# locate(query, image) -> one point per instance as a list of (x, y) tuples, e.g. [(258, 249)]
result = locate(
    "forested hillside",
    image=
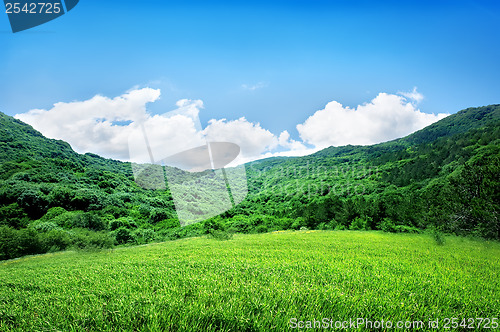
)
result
[(449, 180), (444, 177)]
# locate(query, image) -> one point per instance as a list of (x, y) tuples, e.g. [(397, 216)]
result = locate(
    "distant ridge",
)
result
[(460, 122)]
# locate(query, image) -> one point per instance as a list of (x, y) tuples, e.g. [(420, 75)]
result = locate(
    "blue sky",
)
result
[(273, 62)]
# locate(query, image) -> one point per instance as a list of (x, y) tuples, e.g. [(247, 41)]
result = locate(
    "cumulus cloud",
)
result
[(285, 141), (385, 118), (122, 128), (251, 137), (96, 125)]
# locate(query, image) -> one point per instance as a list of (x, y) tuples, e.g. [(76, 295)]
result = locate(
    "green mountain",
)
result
[(443, 177)]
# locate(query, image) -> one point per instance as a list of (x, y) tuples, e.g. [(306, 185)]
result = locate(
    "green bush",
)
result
[(285, 223), (115, 224), (158, 214), (360, 223), (89, 220), (240, 224), (14, 216), (34, 202), (261, 229), (53, 213), (340, 227), (387, 225), (123, 235), (45, 226), (167, 223), (213, 224), (55, 240), (298, 223), (87, 239), (16, 243), (406, 229), (144, 235)]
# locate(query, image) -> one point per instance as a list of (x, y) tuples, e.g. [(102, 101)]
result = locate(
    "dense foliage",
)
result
[(444, 177)]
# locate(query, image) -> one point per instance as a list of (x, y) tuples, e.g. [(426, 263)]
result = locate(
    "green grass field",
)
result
[(252, 283)]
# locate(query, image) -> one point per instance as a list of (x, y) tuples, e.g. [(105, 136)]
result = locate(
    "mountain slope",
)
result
[(416, 181), (444, 177), (19, 141), (461, 122)]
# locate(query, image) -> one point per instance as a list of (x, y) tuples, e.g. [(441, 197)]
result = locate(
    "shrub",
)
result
[(65, 219), (123, 236), (167, 223), (45, 226), (53, 213), (16, 243), (298, 223), (12, 215), (406, 229), (325, 226), (115, 224), (158, 214), (144, 210), (87, 239), (213, 224), (144, 235), (332, 224), (33, 202), (360, 223), (116, 211), (55, 240), (339, 227), (261, 229), (86, 200), (240, 224), (285, 223), (387, 225), (88, 220)]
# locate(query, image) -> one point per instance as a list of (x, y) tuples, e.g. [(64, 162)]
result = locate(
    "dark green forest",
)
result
[(443, 178)]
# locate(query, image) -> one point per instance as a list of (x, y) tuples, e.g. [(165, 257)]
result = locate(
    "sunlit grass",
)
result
[(252, 282)]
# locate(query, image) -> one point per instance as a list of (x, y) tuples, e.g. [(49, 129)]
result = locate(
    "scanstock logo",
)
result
[(26, 14), (196, 172)]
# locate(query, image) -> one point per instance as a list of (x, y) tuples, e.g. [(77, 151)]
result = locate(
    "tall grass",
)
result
[(252, 283)]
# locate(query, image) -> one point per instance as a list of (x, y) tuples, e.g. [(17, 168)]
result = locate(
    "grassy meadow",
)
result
[(252, 283)]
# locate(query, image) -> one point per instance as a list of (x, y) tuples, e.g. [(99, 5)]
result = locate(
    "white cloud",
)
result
[(385, 118), (121, 127), (253, 87), (251, 137), (90, 125), (414, 95), (285, 141)]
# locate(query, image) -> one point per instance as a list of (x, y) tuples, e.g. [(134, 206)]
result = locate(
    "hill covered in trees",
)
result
[(444, 177)]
